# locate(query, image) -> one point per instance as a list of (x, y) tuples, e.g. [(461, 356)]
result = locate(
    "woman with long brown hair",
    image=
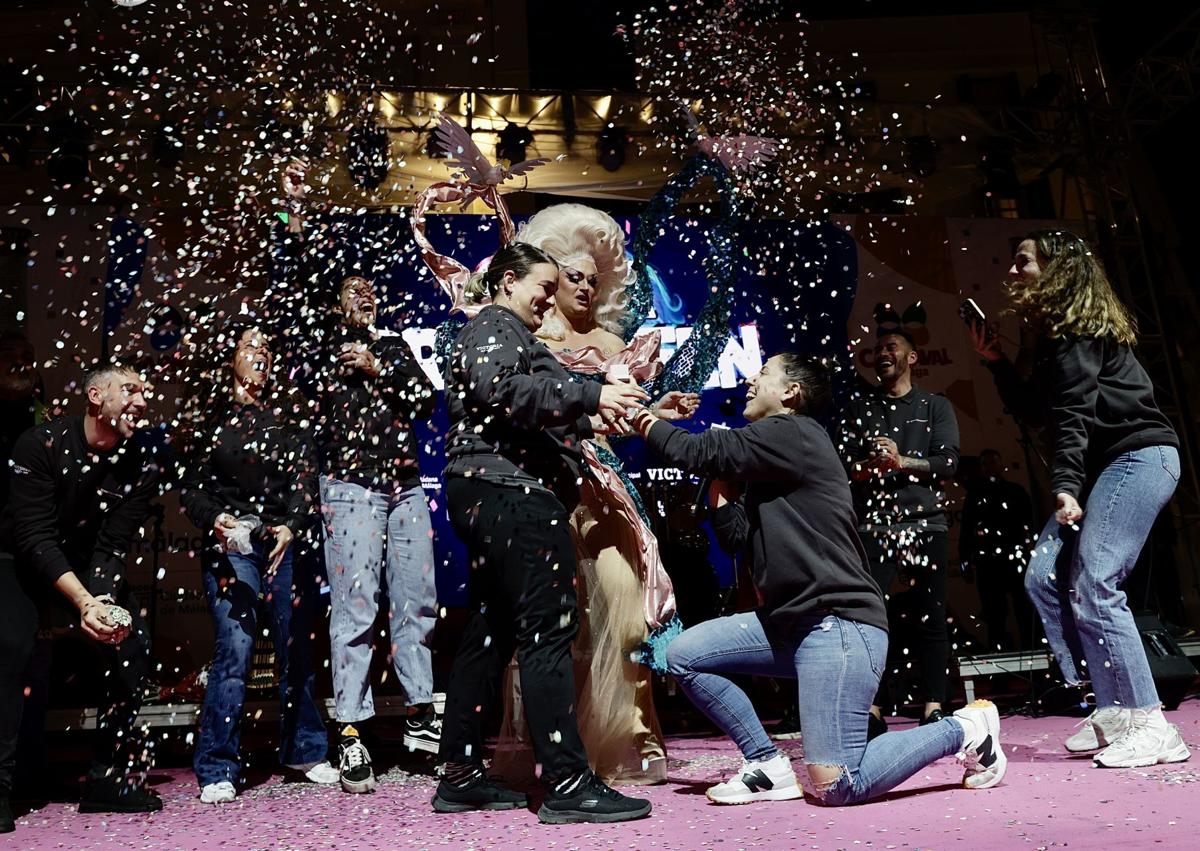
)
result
[(1115, 465)]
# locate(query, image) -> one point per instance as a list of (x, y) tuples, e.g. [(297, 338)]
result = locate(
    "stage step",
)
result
[(990, 664)]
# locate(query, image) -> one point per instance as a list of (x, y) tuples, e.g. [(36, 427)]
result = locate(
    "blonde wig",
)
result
[(571, 232)]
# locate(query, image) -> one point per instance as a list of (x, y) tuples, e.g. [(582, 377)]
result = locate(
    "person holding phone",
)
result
[(1115, 466)]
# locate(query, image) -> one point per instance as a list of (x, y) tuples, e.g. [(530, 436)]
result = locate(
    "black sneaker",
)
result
[(479, 793), (933, 717), (588, 799), (788, 727), (354, 763), (423, 732), (7, 823), (875, 726), (114, 795)]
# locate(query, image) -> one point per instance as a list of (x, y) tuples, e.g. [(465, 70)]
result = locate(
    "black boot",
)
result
[(7, 823), (115, 795)]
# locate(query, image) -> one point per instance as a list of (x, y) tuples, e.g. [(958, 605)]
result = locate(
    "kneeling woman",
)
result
[(248, 456), (821, 618)]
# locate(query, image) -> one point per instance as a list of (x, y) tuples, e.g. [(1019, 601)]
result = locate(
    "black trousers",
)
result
[(523, 598), (120, 672), (999, 582), (922, 561)]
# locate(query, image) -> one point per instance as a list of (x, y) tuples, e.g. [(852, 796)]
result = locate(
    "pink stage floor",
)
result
[(1048, 800)]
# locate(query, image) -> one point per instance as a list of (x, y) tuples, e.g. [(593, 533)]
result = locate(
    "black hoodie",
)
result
[(365, 431), (516, 417), (74, 508), (796, 518)]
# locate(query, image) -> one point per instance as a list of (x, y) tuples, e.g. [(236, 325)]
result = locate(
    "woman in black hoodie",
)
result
[(820, 618), (512, 477), (1116, 464), (248, 484)]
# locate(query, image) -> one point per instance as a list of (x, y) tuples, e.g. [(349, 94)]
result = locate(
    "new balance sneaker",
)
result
[(423, 731), (1148, 740), (318, 772), (788, 727), (114, 795), (1099, 730), (585, 798), (474, 790), (218, 793), (760, 780), (354, 763), (981, 752)]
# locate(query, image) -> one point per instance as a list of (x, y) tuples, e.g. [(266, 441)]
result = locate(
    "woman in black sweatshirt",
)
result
[(1116, 464), (512, 476), (820, 619), (248, 484)]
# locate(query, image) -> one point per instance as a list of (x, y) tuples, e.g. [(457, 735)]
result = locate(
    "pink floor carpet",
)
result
[(1048, 800)]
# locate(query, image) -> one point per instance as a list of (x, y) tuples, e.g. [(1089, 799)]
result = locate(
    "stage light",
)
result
[(169, 145), (70, 141), (920, 155), (512, 144), (611, 146), (369, 153)]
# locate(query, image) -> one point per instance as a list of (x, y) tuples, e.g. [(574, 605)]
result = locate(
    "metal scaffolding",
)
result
[(1096, 123)]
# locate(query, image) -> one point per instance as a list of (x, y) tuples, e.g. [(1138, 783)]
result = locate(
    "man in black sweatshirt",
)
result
[(371, 390), (80, 490), (899, 443)]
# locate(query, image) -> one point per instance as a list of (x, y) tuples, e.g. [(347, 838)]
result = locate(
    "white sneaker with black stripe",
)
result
[(759, 780), (983, 758)]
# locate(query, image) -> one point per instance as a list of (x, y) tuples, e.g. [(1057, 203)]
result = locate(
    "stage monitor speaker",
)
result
[(1172, 670)]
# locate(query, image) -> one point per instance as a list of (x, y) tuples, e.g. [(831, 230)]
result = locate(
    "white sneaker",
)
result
[(318, 772), (218, 793), (1099, 730), (981, 751), (764, 780), (1148, 740)]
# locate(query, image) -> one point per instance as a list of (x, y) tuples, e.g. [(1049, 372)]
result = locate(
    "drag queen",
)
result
[(625, 594)]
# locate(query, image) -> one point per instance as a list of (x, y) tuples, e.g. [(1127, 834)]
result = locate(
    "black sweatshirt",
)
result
[(516, 417), (796, 517), (365, 434), (1096, 399), (250, 461), (922, 425), (74, 508)]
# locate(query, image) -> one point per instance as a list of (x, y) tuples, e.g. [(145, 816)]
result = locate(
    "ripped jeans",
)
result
[(837, 664)]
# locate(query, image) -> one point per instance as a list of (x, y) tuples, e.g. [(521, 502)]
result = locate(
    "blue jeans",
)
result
[(1074, 578), (837, 664), (370, 533), (236, 586)]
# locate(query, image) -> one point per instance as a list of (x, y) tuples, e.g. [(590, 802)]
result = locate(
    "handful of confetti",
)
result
[(118, 616)]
